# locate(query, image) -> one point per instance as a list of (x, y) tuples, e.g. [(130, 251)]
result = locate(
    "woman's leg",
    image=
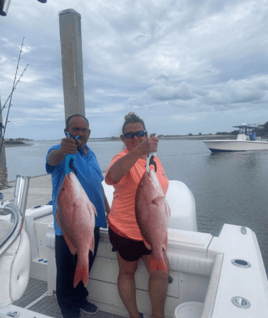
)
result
[(158, 284), (126, 285)]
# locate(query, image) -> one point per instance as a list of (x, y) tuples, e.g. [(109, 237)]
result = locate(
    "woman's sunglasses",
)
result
[(131, 135)]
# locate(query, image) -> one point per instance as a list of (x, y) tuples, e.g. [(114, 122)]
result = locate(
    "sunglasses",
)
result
[(131, 135)]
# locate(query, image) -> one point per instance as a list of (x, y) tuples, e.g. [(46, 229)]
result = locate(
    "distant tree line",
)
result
[(262, 130)]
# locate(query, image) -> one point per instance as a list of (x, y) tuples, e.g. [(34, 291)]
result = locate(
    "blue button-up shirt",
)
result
[(89, 174)]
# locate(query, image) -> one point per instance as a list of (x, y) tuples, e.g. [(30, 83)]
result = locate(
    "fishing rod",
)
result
[(13, 89)]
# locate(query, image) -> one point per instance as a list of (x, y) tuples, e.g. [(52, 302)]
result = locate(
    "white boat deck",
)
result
[(36, 300)]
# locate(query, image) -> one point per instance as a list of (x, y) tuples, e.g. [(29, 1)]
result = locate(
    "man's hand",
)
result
[(68, 146)]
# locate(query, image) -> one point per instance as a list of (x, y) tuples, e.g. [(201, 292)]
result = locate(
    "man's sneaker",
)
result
[(71, 314), (89, 308)]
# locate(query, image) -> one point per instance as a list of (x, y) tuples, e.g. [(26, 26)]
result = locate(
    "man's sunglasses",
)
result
[(131, 135)]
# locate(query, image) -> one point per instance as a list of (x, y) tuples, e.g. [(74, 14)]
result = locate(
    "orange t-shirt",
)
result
[(122, 217)]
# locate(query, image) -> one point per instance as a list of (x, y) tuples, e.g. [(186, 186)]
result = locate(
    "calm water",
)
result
[(228, 187)]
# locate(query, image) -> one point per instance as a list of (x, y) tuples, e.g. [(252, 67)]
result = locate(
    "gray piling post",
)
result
[(72, 62)]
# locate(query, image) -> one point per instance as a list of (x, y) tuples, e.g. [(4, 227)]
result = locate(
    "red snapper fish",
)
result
[(76, 217), (152, 214)]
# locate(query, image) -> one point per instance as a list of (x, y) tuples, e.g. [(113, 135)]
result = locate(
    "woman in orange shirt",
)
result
[(124, 173)]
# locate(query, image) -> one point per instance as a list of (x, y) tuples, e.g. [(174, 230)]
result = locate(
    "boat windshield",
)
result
[(248, 130)]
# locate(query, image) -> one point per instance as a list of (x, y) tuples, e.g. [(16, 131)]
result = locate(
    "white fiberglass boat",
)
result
[(246, 141), (210, 277)]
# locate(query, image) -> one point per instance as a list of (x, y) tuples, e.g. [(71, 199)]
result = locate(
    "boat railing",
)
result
[(16, 208)]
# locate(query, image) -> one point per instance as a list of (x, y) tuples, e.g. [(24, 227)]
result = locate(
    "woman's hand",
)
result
[(149, 145), (122, 166)]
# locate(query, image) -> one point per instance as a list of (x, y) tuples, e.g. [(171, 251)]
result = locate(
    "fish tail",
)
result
[(81, 273), (157, 265)]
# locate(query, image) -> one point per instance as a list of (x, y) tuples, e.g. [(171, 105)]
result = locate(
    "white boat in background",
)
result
[(246, 141), (210, 277)]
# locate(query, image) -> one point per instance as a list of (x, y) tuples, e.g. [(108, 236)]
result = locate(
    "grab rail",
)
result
[(16, 207)]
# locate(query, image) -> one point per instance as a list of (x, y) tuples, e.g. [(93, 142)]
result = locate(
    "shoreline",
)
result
[(182, 137), (168, 137)]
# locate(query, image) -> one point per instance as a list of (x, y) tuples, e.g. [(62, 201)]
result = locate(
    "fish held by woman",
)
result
[(76, 217), (152, 214)]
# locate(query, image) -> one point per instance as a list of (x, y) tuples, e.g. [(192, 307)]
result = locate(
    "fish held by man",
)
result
[(76, 217), (152, 214)]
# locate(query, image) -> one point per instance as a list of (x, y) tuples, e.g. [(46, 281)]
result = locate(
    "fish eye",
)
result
[(62, 189)]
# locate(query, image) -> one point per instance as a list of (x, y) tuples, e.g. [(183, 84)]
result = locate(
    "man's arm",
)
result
[(68, 146)]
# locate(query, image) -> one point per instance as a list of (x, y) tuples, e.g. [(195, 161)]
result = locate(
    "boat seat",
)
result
[(15, 270), (189, 264)]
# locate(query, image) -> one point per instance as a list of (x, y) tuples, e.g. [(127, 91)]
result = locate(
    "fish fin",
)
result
[(90, 205), (158, 199), (166, 244), (69, 243), (156, 265), (168, 208), (66, 238), (81, 273), (58, 219), (95, 211), (92, 245), (147, 245)]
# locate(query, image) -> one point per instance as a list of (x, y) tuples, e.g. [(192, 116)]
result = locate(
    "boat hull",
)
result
[(235, 145)]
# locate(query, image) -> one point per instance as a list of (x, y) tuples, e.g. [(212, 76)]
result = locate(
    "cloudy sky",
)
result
[(184, 66)]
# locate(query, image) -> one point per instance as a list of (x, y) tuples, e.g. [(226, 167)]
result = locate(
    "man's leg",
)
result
[(65, 292)]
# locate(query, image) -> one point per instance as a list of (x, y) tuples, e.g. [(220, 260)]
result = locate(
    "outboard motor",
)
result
[(4, 5)]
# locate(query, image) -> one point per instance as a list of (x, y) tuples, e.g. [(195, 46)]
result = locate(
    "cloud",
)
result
[(163, 92), (172, 61)]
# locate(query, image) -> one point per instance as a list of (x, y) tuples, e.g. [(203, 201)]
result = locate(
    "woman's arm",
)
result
[(107, 206), (122, 166)]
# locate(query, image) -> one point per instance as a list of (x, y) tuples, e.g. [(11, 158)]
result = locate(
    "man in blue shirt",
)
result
[(71, 300)]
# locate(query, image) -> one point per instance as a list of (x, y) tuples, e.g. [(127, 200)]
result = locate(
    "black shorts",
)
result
[(129, 250)]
